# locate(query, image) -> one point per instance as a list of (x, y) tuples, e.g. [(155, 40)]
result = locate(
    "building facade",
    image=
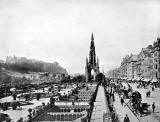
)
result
[(131, 66), (145, 65), (156, 60)]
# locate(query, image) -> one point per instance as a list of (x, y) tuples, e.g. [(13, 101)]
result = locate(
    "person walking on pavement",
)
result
[(149, 93), (126, 119), (153, 106), (113, 97), (122, 101)]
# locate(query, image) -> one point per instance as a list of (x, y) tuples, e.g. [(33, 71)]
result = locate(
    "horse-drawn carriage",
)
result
[(144, 107), (136, 103)]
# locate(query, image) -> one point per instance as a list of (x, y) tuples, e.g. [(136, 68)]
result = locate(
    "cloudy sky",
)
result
[(60, 30)]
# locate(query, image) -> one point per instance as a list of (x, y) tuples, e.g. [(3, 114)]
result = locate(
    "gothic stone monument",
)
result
[(92, 64)]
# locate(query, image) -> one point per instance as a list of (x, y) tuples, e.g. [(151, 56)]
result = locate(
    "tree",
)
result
[(99, 77), (14, 95), (79, 78), (84, 119), (65, 80)]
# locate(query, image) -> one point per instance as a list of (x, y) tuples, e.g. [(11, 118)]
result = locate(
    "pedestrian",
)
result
[(34, 112), (146, 94), (152, 88), (19, 104), (110, 95), (149, 93), (140, 110), (113, 92), (114, 118), (111, 108), (122, 101), (153, 106), (113, 97), (126, 119)]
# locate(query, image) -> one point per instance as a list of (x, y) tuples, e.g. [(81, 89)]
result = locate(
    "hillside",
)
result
[(22, 64), (4, 78)]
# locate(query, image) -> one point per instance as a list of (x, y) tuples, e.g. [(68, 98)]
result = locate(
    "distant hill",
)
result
[(4, 78), (22, 64), (1, 61)]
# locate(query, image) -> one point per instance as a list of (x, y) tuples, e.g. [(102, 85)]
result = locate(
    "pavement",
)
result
[(100, 106)]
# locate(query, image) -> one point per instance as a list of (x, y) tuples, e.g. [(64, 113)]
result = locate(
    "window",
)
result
[(155, 54), (155, 66), (156, 74), (155, 60)]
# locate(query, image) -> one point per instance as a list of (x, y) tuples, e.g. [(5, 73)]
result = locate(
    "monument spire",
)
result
[(86, 61), (92, 37), (97, 61), (92, 55)]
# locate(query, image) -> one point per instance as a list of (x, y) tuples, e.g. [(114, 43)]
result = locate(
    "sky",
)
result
[(60, 30)]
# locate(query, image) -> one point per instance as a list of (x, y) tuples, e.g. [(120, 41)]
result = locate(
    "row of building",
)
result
[(145, 65)]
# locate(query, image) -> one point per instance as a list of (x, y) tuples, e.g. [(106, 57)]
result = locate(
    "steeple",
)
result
[(92, 42), (97, 62), (92, 55), (86, 61), (92, 37)]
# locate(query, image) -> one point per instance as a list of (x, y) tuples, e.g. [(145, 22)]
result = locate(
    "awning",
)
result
[(124, 78), (133, 79), (146, 80), (137, 79), (154, 80), (12, 89)]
